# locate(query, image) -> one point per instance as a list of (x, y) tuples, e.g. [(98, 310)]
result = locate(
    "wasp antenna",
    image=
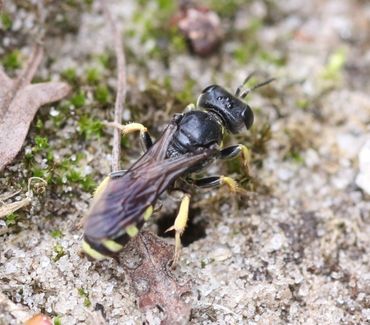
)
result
[(248, 77), (261, 84)]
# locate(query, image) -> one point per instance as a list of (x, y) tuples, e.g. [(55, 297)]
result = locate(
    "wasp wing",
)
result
[(158, 150), (126, 198)]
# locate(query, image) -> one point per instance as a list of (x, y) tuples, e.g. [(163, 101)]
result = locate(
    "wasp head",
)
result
[(233, 112)]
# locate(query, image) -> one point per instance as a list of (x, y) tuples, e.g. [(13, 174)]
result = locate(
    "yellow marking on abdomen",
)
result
[(112, 245), (148, 212), (92, 252), (101, 187), (132, 230)]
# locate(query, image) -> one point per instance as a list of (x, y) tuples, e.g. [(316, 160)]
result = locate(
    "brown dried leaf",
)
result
[(147, 262), (19, 103)]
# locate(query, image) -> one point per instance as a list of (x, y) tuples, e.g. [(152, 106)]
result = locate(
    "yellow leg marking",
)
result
[(230, 183), (112, 245), (179, 225), (128, 128), (132, 230), (245, 156), (148, 212), (92, 252), (133, 127)]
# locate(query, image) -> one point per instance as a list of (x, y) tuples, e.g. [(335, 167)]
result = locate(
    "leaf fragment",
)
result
[(19, 102)]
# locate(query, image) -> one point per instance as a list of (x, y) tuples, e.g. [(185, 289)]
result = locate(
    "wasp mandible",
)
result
[(190, 142)]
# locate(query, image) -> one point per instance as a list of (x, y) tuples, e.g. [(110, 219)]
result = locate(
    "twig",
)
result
[(33, 63), (25, 76), (8, 208), (121, 85)]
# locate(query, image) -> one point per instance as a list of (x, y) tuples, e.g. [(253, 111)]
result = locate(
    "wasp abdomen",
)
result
[(110, 247)]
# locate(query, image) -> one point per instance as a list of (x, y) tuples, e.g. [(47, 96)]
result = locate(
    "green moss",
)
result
[(102, 94), (11, 219), (248, 40), (333, 69), (303, 103), (164, 39), (39, 124), (166, 6), (56, 234), (71, 3), (186, 95), (70, 75), (88, 184), (178, 42), (89, 127), (12, 60), (6, 21), (64, 113), (105, 60), (59, 250), (259, 137), (41, 143), (226, 8), (74, 176), (42, 148), (78, 99), (85, 296), (39, 172), (244, 53), (273, 58), (296, 157), (93, 76)]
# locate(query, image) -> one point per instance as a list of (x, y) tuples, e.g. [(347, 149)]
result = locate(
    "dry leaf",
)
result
[(19, 103), (147, 262)]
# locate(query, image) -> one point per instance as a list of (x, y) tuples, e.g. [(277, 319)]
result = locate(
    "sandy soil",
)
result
[(294, 251)]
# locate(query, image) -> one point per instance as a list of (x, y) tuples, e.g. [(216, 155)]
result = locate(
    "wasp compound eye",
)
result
[(248, 117)]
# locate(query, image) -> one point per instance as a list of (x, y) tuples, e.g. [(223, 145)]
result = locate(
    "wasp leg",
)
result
[(145, 137), (233, 151), (179, 225), (216, 181)]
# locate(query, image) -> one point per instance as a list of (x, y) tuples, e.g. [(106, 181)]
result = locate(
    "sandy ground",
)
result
[(296, 251)]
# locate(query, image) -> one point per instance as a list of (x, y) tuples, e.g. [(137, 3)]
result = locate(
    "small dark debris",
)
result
[(195, 230)]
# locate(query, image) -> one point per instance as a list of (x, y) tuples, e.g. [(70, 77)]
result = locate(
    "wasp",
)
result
[(191, 141)]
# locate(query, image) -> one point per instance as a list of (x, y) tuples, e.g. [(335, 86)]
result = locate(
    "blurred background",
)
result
[(295, 249)]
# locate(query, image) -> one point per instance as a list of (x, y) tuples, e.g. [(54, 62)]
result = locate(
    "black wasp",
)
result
[(191, 141)]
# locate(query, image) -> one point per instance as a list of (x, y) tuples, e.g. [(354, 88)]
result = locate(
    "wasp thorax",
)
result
[(233, 112)]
